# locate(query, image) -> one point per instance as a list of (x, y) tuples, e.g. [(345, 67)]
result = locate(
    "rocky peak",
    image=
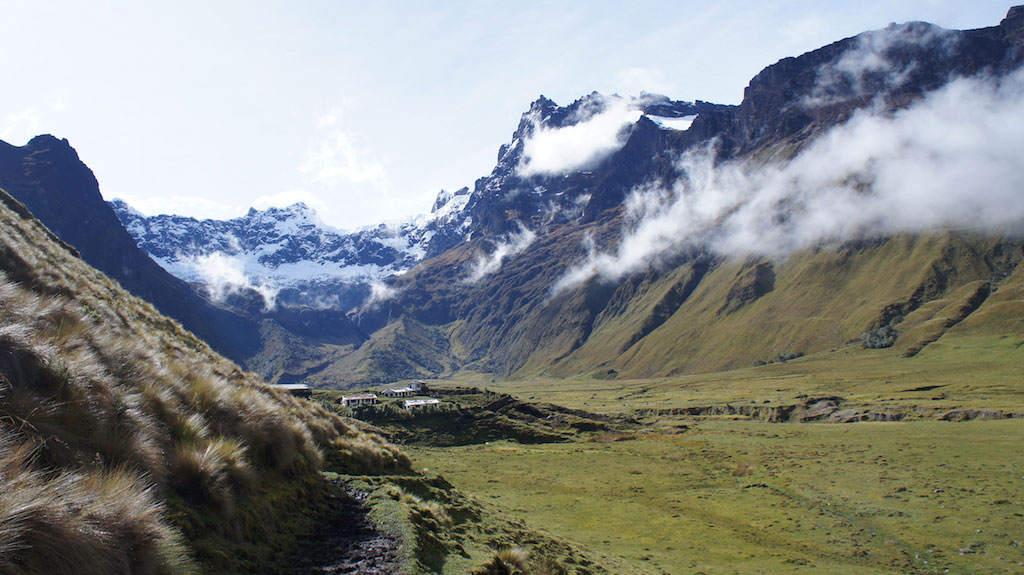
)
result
[(445, 199), (1013, 25)]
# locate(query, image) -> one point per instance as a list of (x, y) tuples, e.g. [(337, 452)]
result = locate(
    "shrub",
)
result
[(507, 561)]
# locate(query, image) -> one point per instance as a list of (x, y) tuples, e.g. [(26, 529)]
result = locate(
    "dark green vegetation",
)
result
[(470, 416)]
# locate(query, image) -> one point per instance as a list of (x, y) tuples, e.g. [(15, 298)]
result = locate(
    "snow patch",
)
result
[(681, 124)]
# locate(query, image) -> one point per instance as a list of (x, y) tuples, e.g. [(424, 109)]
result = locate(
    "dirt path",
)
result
[(353, 545)]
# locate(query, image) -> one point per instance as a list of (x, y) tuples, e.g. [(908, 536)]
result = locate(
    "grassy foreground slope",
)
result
[(128, 446)]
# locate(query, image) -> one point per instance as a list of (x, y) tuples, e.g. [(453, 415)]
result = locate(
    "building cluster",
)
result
[(360, 399), (413, 389)]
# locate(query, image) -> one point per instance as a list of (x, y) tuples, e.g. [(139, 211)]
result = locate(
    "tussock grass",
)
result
[(129, 430), (507, 561), (88, 522)]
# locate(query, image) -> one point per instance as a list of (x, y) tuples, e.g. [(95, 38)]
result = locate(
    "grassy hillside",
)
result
[(128, 446), (818, 300), (701, 314)]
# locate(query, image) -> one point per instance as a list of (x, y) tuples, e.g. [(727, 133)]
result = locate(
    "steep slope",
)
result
[(606, 266), (47, 175), (128, 446)]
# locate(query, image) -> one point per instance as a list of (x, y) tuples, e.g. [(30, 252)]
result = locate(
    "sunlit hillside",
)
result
[(128, 446)]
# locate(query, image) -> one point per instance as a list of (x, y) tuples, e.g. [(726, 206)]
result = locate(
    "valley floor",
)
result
[(726, 496), (695, 480)]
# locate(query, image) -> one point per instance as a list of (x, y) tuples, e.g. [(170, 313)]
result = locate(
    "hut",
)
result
[(297, 389), (414, 403), (359, 399)]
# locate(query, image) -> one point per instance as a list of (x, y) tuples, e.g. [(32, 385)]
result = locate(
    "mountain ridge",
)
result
[(530, 272)]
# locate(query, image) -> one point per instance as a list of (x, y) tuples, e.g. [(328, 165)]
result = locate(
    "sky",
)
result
[(366, 110)]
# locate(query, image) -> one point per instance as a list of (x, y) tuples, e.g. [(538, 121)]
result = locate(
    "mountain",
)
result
[(292, 258), (49, 178), (814, 216), (861, 197), (287, 253)]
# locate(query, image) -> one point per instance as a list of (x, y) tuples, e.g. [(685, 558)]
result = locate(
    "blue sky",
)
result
[(366, 110)]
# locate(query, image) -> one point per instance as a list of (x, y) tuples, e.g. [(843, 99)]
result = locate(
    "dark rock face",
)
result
[(506, 199), (798, 96), (47, 176), (750, 285)]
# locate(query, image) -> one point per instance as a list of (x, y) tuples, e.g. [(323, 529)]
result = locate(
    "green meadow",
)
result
[(727, 496), (667, 491)]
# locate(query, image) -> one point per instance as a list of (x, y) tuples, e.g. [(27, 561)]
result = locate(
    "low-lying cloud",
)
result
[(380, 292), (556, 151), (955, 159), (870, 61), (224, 275), (511, 245)]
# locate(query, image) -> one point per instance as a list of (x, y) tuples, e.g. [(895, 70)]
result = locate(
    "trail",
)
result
[(354, 545)]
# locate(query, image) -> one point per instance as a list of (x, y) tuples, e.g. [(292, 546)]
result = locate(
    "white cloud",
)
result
[(20, 126), (337, 157), (952, 160), (554, 151), (380, 292), (224, 275), (868, 61), (510, 246)]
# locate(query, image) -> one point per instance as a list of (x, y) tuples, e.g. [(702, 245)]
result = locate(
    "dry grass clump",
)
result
[(211, 472), (96, 522), (507, 561)]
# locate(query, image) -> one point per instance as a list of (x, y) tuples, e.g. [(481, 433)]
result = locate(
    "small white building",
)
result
[(414, 403), (360, 399), (399, 392)]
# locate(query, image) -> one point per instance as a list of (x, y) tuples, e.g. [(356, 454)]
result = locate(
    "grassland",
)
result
[(747, 497), (669, 491)]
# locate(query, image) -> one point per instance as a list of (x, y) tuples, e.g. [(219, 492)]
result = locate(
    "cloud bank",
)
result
[(955, 159), (556, 151)]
